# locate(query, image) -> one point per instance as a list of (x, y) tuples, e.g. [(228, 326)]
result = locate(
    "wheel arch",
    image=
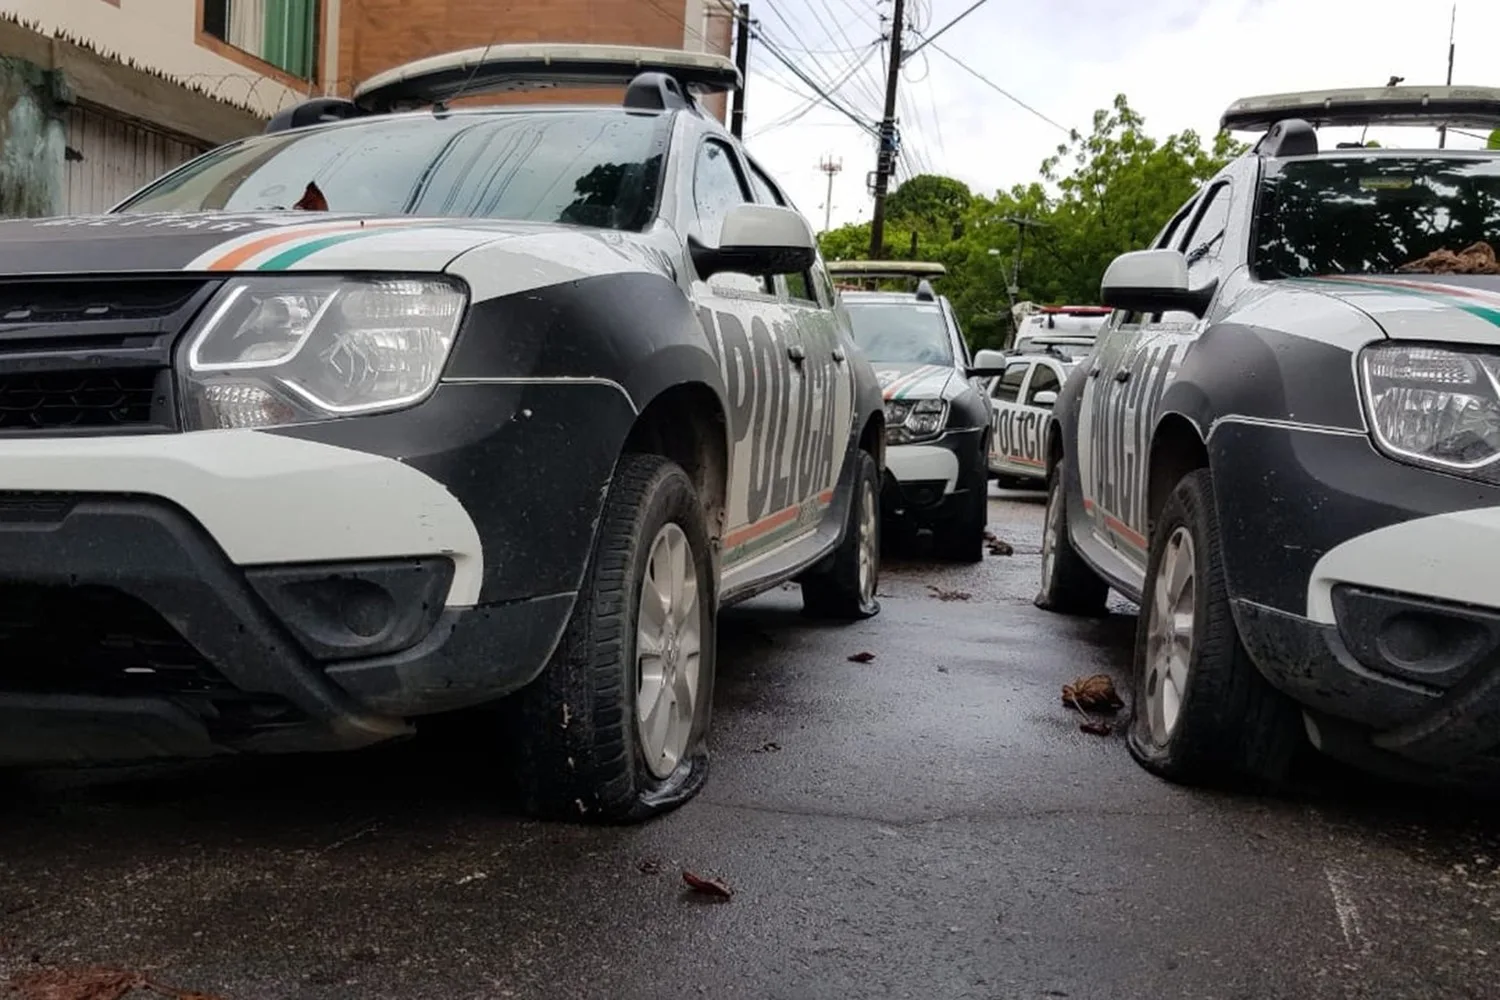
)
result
[(687, 422), (1177, 448)]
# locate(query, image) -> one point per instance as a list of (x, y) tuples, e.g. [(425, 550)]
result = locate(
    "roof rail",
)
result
[(520, 67), (1427, 107), (317, 111), (886, 269)]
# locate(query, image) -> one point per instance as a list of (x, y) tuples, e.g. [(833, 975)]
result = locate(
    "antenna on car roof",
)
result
[(440, 106)]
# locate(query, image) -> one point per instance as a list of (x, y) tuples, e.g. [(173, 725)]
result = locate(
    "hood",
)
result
[(914, 381), (220, 241), (1451, 307)]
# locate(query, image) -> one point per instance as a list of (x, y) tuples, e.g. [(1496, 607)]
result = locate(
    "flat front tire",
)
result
[(1202, 714), (1069, 585), (614, 728)]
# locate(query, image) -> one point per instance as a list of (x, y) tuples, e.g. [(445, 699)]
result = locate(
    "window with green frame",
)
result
[(283, 33)]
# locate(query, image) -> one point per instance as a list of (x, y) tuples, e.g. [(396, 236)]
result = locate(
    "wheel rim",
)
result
[(668, 651), (1169, 634), (1050, 534), (869, 556)]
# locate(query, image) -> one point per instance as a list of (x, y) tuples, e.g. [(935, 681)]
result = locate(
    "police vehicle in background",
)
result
[(401, 410), (1021, 400), (1072, 330), (1286, 447), (937, 416)]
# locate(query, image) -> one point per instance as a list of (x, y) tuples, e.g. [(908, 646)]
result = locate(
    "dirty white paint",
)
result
[(110, 158)]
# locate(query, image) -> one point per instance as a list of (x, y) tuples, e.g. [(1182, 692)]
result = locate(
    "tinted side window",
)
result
[(1205, 241), (1008, 389), (1044, 379), (717, 187)]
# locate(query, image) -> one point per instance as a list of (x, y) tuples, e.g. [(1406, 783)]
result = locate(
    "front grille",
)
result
[(53, 400), (92, 356)]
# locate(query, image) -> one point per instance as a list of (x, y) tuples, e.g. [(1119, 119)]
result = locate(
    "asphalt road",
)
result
[(931, 824)]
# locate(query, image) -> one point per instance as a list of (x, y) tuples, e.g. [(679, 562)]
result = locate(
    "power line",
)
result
[(929, 39), (817, 88), (999, 89), (810, 102)]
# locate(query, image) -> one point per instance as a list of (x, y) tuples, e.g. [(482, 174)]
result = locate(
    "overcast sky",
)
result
[(1180, 62)]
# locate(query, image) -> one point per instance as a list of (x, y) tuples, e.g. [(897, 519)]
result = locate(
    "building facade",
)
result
[(97, 97)]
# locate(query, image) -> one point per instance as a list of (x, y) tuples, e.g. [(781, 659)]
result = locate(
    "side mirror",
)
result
[(758, 240), (989, 358), (1153, 281), (1045, 399)]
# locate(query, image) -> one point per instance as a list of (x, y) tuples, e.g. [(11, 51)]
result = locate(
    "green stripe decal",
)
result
[(1487, 313), (287, 258)]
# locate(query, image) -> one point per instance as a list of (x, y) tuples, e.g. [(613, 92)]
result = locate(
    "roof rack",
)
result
[(522, 67), (1428, 107), (886, 269), (1075, 310)]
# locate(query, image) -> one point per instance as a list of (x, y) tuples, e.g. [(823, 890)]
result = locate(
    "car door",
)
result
[(826, 375), (1104, 468), (1035, 417), (1145, 367), (759, 353), (1005, 410)]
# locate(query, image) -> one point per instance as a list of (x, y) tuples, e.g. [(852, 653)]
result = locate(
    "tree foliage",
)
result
[(1099, 195)]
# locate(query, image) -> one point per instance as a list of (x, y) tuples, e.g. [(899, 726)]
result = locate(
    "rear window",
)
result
[(1373, 214), (901, 332), (586, 168)]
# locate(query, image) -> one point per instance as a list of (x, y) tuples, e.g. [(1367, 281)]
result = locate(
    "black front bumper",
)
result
[(923, 503), (1401, 682), (127, 632)]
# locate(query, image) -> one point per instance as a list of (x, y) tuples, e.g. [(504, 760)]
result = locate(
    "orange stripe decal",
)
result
[(239, 255), (766, 525)]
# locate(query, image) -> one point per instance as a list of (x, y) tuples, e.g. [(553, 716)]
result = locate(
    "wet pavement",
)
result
[(930, 824)]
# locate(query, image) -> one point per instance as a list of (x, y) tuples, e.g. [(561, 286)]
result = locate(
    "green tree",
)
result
[(1494, 142), (929, 202)]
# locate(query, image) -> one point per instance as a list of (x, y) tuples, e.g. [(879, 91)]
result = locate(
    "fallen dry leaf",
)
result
[(90, 984), (861, 657), (767, 748), (948, 595), (649, 866), (990, 536), (707, 886), (999, 548), (1477, 258), (1096, 692), (1096, 728)]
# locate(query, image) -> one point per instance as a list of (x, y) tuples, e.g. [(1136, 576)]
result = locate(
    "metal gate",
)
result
[(109, 158)]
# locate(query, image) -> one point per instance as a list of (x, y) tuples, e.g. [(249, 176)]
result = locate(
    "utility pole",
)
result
[(742, 60), (887, 156), (1452, 26), (829, 166)]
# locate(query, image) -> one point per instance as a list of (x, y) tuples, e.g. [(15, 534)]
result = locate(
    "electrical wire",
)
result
[(817, 88), (999, 89)]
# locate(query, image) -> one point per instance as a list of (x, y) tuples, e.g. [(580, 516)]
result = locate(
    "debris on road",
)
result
[(948, 595), (942, 670), (767, 748), (649, 866), (90, 984), (997, 546), (707, 886), (1096, 693), (861, 657)]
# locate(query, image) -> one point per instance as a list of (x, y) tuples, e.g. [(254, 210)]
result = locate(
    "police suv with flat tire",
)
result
[(501, 421)]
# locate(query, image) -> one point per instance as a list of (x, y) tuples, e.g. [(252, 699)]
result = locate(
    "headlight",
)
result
[(291, 349), (909, 420), (1435, 406)]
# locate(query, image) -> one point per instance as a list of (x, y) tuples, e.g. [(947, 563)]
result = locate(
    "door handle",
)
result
[(838, 355), (1123, 375), (796, 353)]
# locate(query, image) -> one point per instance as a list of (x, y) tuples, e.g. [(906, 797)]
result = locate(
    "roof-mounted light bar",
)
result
[(886, 269), (1425, 107), (521, 67)]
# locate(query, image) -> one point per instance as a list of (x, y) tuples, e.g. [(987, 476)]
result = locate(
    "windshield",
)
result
[(901, 332), (1378, 215), (585, 168)]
